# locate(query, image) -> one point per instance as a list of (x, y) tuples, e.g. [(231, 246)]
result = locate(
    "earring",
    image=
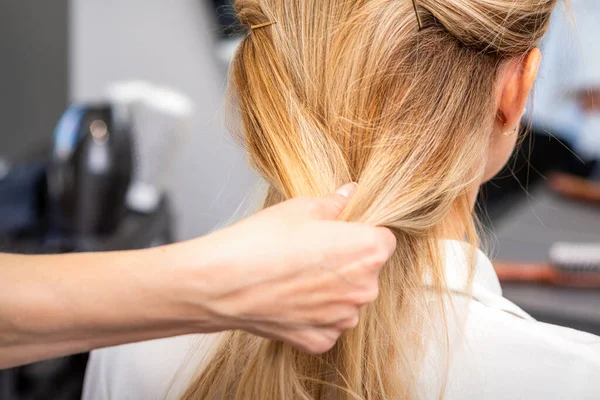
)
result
[(513, 131), (509, 133)]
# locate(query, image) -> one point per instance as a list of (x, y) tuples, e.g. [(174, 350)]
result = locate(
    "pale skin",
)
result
[(515, 82), (290, 273)]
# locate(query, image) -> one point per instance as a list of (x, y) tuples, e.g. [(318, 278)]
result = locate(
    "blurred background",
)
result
[(113, 137)]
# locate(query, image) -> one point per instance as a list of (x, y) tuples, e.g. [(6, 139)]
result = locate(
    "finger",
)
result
[(332, 206), (348, 190), (316, 341), (349, 323), (350, 242), (379, 252), (388, 241)]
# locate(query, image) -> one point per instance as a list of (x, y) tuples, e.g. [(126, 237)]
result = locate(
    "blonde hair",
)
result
[(352, 90)]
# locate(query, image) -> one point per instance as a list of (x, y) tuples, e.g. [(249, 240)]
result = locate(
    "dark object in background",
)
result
[(538, 156), (62, 378), (90, 170), (575, 265), (74, 202), (21, 198), (228, 23)]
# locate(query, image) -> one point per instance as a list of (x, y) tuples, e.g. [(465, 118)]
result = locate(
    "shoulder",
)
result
[(490, 325), (507, 357), (155, 369)]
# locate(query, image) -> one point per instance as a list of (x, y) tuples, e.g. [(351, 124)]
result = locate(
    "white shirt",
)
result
[(501, 353)]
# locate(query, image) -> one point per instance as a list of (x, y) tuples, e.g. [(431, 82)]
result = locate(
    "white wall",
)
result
[(167, 42)]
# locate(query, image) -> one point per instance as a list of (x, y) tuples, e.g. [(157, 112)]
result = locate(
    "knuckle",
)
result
[(370, 238), (350, 323), (378, 253), (372, 242), (320, 346), (368, 295), (324, 317), (320, 320), (311, 206), (349, 312), (372, 294)]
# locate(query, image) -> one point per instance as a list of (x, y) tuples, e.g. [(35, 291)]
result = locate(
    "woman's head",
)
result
[(352, 90)]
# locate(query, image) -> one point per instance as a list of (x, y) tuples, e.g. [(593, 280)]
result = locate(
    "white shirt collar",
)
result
[(485, 287)]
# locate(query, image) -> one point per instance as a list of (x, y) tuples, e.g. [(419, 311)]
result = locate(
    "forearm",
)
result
[(57, 305)]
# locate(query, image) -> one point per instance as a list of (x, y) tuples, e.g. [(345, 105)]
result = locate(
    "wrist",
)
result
[(190, 277)]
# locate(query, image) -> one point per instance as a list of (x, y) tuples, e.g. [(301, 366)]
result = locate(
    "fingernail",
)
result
[(348, 190)]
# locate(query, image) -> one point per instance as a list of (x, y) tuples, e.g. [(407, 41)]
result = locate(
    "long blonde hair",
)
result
[(352, 90)]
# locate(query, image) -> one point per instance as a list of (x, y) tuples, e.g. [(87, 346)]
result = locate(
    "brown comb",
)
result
[(545, 274)]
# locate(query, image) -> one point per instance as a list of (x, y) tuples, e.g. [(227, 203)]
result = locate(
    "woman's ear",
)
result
[(517, 80)]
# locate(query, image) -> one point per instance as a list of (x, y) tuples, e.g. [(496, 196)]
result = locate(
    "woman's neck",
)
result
[(453, 227)]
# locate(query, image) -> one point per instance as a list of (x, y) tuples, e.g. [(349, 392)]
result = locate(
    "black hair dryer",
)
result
[(90, 170)]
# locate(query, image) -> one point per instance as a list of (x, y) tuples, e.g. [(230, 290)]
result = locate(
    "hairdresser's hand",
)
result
[(289, 273), (294, 273)]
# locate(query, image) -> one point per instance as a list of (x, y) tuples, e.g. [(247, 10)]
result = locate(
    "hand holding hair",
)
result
[(291, 272)]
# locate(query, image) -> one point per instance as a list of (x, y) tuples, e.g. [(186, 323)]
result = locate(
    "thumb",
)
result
[(333, 205)]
